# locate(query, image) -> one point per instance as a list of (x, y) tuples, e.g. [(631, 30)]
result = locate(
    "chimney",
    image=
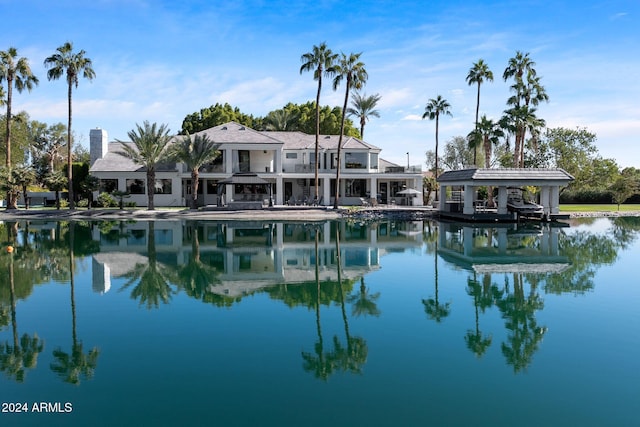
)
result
[(98, 144)]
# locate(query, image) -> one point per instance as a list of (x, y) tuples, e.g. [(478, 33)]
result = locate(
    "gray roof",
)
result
[(301, 141), (112, 161), (235, 133), (521, 176)]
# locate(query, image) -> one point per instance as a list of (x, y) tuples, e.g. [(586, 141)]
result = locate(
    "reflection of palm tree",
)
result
[(364, 303), (525, 334), (321, 364), (355, 355), (474, 339), (195, 277), (151, 282), (72, 367), (432, 306), (24, 352)]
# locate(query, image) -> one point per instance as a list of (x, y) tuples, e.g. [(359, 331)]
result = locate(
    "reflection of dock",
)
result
[(502, 249)]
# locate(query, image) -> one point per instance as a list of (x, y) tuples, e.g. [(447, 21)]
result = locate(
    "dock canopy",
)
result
[(244, 178), (549, 182)]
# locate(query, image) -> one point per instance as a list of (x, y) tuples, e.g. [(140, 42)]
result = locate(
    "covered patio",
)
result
[(459, 196), (245, 191)]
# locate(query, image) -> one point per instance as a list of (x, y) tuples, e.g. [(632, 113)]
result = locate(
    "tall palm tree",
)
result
[(149, 147), (321, 61), (17, 72), (528, 93), (352, 71), (478, 73), (434, 109), (363, 107), (73, 64), (194, 152)]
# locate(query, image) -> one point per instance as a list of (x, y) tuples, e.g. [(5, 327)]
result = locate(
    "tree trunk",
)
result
[(151, 181), (344, 112), (72, 204), (317, 149), (194, 188)]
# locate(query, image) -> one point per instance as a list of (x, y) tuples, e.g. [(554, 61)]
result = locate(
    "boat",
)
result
[(516, 203)]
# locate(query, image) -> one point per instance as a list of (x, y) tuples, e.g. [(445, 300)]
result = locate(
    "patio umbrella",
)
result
[(409, 192)]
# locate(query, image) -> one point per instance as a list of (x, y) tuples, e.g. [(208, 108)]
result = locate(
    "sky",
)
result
[(160, 61)]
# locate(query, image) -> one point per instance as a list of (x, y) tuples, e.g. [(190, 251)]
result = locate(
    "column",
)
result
[(468, 200), (280, 191), (554, 200), (502, 200), (326, 191), (544, 200), (442, 196)]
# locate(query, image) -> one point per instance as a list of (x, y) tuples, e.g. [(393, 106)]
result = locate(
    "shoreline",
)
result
[(283, 213)]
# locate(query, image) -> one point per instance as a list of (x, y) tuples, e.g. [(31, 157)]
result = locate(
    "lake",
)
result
[(321, 323)]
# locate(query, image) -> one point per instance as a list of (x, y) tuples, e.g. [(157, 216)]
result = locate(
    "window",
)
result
[(108, 185), (356, 160), (135, 186), (292, 155), (163, 186), (356, 188), (212, 186)]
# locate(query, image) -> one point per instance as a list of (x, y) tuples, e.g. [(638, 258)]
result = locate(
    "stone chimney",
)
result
[(98, 144)]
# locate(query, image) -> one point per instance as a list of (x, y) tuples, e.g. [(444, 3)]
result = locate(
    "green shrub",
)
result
[(130, 204), (83, 203), (106, 200)]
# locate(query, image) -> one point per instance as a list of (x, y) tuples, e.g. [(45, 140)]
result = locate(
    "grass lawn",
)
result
[(598, 208)]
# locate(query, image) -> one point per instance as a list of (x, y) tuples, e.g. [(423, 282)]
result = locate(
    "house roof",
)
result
[(235, 133), (301, 141), (523, 176), (112, 161)]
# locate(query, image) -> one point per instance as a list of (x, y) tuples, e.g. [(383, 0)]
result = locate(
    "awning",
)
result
[(244, 178)]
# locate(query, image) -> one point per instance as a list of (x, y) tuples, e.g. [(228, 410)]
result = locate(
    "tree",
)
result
[(56, 181), (321, 60), (622, 189), (478, 73), (281, 120), (436, 107), (352, 71), (528, 93), (24, 176), (149, 146), (73, 64), (17, 73), (216, 115), (490, 134), (363, 107), (47, 145), (194, 152)]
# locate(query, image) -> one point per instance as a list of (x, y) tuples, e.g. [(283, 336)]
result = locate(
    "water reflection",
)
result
[(317, 266)]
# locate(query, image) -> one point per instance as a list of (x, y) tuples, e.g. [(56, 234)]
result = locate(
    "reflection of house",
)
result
[(253, 255), (285, 159), (506, 248)]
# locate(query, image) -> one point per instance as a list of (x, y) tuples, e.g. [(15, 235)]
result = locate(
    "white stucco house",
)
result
[(286, 160)]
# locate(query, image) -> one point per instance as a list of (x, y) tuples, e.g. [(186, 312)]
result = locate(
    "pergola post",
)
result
[(468, 199), (502, 200)]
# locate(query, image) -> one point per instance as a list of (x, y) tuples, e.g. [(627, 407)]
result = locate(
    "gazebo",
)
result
[(465, 204)]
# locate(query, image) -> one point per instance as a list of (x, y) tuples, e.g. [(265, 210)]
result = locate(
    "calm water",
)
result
[(259, 324)]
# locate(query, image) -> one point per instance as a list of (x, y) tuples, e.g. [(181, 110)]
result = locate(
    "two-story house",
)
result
[(286, 160)]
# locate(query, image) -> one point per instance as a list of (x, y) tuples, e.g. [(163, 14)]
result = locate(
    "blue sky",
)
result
[(161, 60)]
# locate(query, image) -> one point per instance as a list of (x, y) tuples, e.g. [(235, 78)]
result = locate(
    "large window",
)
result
[(356, 188), (108, 185), (135, 186), (291, 155), (356, 160), (163, 186)]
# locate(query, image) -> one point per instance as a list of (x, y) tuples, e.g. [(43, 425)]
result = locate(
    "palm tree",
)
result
[(150, 147), (73, 64), (477, 75), (194, 153), (363, 107), (350, 69), (281, 120), (17, 72), (321, 61), (364, 303), (56, 181), (433, 110), (528, 93), (24, 176)]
